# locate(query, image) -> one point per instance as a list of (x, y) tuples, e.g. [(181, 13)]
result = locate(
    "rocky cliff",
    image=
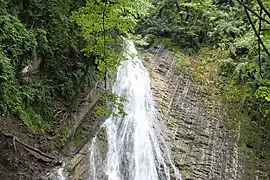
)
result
[(202, 148)]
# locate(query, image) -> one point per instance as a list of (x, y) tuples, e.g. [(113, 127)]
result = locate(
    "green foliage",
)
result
[(8, 91), (115, 105), (263, 92), (149, 39), (16, 41), (182, 59), (225, 24), (40, 30), (243, 46), (247, 90), (34, 120), (193, 23), (102, 22), (31, 102), (43, 31)]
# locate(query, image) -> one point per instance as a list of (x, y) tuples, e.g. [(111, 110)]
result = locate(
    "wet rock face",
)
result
[(201, 145), (87, 125), (78, 167)]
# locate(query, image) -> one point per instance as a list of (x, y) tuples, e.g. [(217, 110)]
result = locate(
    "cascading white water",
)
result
[(137, 148), (57, 173)]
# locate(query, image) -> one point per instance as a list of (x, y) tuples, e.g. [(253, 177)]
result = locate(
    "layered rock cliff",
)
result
[(202, 148)]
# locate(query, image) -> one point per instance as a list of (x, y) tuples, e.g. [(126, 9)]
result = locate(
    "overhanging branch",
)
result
[(253, 12), (263, 8), (254, 29), (259, 45)]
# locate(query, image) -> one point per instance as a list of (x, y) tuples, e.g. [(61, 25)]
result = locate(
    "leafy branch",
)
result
[(257, 32), (102, 23)]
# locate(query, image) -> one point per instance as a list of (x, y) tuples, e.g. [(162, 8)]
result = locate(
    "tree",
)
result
[(102, 23)]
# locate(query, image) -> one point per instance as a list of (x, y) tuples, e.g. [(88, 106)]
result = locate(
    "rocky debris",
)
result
[(201, 146)]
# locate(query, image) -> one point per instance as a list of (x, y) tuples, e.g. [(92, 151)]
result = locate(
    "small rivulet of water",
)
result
[(137, 148)]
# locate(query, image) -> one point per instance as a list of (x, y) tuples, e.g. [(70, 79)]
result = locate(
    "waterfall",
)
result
[(57, 173), (137, 143)]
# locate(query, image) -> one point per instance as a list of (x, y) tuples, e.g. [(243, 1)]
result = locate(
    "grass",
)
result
[(33, 120)]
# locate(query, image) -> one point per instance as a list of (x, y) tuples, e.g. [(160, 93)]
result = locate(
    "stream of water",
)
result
[(137, 148)]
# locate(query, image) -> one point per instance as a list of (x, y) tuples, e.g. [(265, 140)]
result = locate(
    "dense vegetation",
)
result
[(41, 63), (51, 51), (231, 42)]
